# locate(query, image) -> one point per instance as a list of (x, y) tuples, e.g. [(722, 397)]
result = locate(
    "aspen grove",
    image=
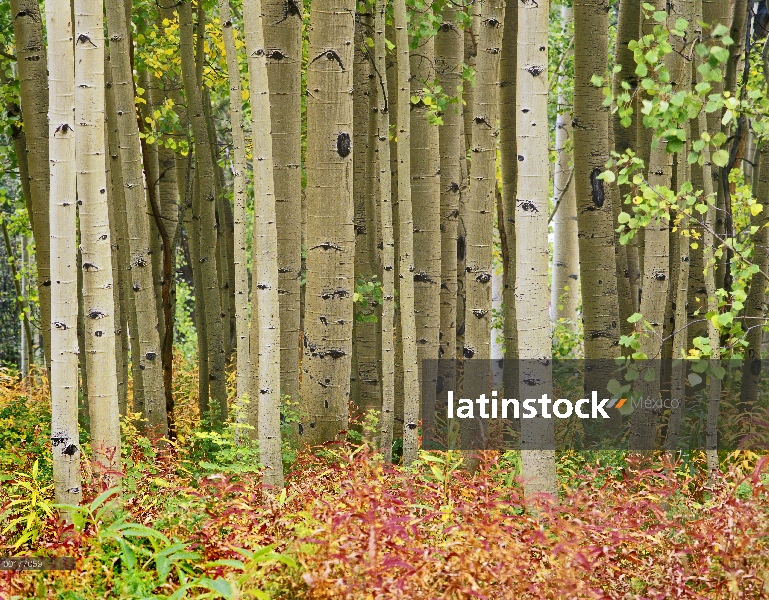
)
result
[(249, 247)]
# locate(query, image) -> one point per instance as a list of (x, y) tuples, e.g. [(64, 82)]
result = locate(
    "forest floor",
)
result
[(195, 522)]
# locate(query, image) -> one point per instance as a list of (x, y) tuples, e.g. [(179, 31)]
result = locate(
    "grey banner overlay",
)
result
[(589, 405), (37, 563)]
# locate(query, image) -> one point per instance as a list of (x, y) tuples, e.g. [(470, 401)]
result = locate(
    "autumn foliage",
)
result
[(350, 526)]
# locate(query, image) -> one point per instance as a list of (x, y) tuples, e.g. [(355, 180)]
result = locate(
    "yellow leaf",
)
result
[(244, 94), (755, 209)]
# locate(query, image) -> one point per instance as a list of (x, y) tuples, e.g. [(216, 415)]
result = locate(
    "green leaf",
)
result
[(634, 318), (720, 157)]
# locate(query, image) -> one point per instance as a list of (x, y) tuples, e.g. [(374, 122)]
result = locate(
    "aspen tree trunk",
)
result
[(207, 231), (406, 267), (628, 28), (265, 321), (715, 12), (714, 388), (243, 359), (120, 260), (325, 385), (679, 334), (755, 304), (152, 180), (621, 255), (449, 54), (531, 285), (192, 227), (479, 221), (27, 343), (598, 278), (95, 243), (31, 63), (564, 295), (121, 325), (656, 275), (425, 195), (392, 98), (140, 273), (365, 391), (468, 95), (508, 142), (384, 194), (65, 440), (283, 36)]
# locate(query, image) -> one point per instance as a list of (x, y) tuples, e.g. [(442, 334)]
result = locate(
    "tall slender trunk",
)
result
[(425, 195), (207, 228), (564, 294), (656, 275), (406, 239), (119, 236), (365, 392), (65, 440), (31, 62), (95, 242), (479, 221), (243, 359), (598, 276), (140, 273), (265, 321), (283, 36), (449, 54), (112, 171), (386, 230), (756, 302), (325, 385), (508, 142), (531, 285)]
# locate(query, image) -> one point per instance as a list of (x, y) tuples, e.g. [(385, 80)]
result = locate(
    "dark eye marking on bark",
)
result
[(275, 55), (597, 187), (479, 313), (343, 145), (660, 276), (461, 330), (330, 54), (335, 294), (60, 325), (461, 247), (453, 187), (83, 38), (150, 356), (70, 450), (531, 382), (535, 70), (95, 313), (527, 205), (64, 128), (412, 425), (58, 438), (483, 277), (479, 119), (327, 246), (291, 8), (88, 267), (520, 158), (423, 277), (491, 22), (468, 352)]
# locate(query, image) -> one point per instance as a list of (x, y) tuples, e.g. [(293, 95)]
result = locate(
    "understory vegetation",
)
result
[(196, 522)]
